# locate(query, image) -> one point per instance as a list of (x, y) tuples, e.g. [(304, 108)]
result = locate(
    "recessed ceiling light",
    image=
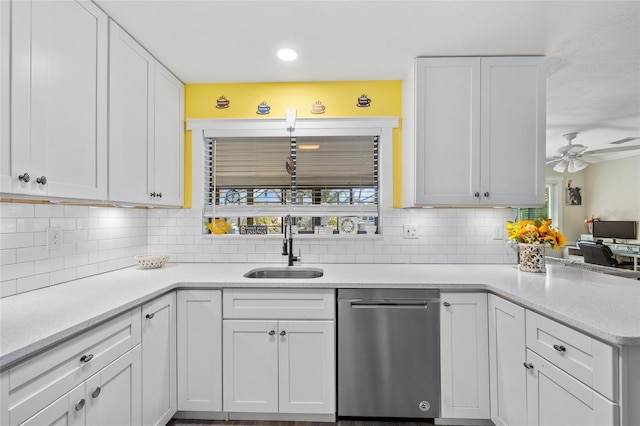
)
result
[(287, 54)]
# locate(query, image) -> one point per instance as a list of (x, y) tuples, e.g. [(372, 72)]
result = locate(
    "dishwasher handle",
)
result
[(390, 303)]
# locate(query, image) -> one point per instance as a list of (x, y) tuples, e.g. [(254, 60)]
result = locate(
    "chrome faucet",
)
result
[(287, 243)]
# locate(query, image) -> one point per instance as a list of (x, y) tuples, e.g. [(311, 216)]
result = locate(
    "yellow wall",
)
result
[(339, 98)]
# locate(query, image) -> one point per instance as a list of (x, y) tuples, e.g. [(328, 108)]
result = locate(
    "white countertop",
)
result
[(603, 306)]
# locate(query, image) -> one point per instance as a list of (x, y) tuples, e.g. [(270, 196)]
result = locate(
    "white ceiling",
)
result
[(592, 47)]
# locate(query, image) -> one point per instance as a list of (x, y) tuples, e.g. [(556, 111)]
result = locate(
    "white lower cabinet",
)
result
[(110, 397), (282, 365), (113, 395), (159, 387), (199, 350), (507, 353), (556, 398), (464, 356), (545, 373)]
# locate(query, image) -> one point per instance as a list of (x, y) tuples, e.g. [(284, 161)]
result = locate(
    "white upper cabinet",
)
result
[(146, 113), (58, 135), (5, 90), (475, 132)]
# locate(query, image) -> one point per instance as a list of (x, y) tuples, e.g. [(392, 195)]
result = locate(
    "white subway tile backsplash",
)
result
[(7, 257), (48, 210), (27, 254), (16, 210), (8, 288), (8, 225), (32, 282), (32, 224), (16, 240)]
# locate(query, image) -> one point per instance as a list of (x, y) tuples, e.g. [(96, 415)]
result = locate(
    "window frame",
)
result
[(277, 127)]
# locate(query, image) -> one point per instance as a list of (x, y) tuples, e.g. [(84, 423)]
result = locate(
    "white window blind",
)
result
[(337, 176)]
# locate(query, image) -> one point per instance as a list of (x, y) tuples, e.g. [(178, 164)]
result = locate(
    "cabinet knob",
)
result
[(476, 194), (446, 304), (528, 365), (283, 333), (272, 332), (42, 180), (159, 194), (80, 404), (486, 194), (96, 392), (24, 178), (86, 358), (559, 348), (149, 316), (153, 194)]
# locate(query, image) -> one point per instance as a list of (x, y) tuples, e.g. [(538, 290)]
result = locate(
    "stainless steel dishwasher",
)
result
[(388, 353)]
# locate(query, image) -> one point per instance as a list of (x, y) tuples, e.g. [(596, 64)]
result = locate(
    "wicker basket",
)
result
[(152, 261)]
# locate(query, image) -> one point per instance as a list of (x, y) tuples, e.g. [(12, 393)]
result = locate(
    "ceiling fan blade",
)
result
[(564, 148), (591, 159), (561, 166), (576, 149), (552, 160), (615, 149), (625, 140)]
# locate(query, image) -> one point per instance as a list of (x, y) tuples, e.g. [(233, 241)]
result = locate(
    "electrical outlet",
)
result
[(498, 233), (410, 231), (54, 238)]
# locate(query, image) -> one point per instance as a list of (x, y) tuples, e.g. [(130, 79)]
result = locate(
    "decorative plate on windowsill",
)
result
[(348, 225)]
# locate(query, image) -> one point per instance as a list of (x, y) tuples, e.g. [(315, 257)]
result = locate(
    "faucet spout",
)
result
[(287, 244)]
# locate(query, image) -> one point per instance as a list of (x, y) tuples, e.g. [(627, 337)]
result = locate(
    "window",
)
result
[(550, 209), (253, 182)]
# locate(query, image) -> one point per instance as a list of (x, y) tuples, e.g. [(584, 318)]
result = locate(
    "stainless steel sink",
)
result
[(285, 272)]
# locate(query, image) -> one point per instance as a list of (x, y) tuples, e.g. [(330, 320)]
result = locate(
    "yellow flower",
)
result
[(538, 231)]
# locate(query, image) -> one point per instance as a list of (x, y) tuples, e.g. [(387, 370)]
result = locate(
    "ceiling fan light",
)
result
[(561, 166), (576, 164)]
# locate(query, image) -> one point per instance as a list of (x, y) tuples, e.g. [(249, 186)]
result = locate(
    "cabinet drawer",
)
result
[(42, 379), (278, 304), (591, 361)]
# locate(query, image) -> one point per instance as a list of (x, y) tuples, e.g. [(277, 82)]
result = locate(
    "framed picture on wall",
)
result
[(574, 196)]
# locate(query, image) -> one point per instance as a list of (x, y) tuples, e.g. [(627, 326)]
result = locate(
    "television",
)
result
[(622, 229)]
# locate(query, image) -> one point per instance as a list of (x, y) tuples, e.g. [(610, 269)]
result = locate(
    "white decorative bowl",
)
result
[(152, 261)]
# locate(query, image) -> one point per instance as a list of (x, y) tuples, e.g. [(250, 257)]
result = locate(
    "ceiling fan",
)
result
[(575, 157)]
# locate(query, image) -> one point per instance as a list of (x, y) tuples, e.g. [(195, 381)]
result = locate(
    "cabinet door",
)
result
[(513, 131), (59, 98), (66, 411), (199, 350), (307, 366), (159, 386), (447, 131), (250, 358), (113, 395), (5, 89), (131, 73), (464, 356), (167, 168), (556, 398), (507, 353)]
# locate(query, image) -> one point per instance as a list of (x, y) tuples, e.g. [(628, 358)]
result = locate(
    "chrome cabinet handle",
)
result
[(80, 404), (150, 316), (96, 392), (476, 194), (283, 333), (272, 332), (42, 180), (486, 194), (528, 365), (86, 358), (559, 348), (24, 178), (446, 304)]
